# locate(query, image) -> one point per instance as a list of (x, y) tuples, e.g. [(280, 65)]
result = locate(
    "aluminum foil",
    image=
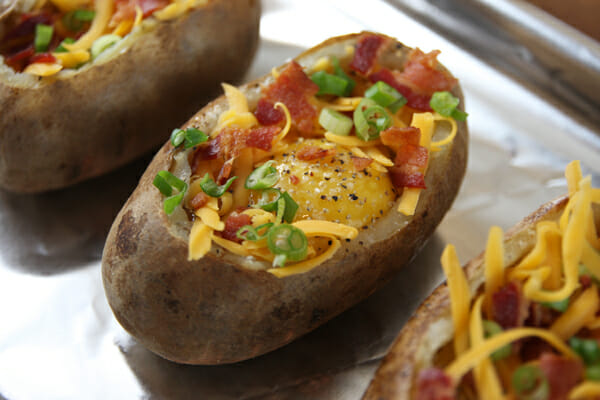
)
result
[(59, 339)]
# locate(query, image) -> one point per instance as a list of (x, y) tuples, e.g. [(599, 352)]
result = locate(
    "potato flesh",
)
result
[(331, 189)]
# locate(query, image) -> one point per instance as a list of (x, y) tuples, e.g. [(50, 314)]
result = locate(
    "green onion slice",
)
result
[(190, 137), (335, 122), (291, 207), (61, 48), (491, 328), (43, 36), (592, 372), (386, 96), (74, 20), (561, 305), (248, 232), (268, 199), (263, 177), (370, 119), (339, 72), (587, 349), (165, 182), (103, 43), (329, 84), (84, 15), (287, 242), (211, 188), (530, 383), (444, 103)]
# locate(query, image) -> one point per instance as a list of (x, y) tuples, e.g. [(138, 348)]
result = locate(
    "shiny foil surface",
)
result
[(59, 339)]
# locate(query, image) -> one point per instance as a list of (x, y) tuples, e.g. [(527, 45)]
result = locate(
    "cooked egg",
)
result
[(331, 189)]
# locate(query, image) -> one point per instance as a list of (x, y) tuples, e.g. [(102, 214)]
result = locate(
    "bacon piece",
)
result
[(233, 223), (19, 60), (367, 49), (412, 155), (409, 166), (262, 137), (42, 58), (267, 114), (294, 180), (225, 173), (414, 100), (422, 73), (395, 137), (585, 281), (360, 163), (125, 9), (539, 315), (509, 306), (199, 200), (434, 384), (294, 88), (562, 373), (407, 176), (205, 152), (311, 153)]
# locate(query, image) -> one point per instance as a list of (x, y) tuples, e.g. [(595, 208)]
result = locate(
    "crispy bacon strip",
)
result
[(423, 74), (409, 166), (562, 373), (294, 88), (360, 163), (434, 384), (233, 223), (199, 200), (311, 153), (366, 52), (395, 137), (262, 137), (414, 100), (510, 307), (267, 114)]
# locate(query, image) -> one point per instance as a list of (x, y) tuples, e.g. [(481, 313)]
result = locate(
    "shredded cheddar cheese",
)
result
[(494, 265), (460, 295), (104, 9), (585, 390), (43, 69)]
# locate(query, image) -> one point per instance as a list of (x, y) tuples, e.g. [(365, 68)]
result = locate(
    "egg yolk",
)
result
[(331, 189)]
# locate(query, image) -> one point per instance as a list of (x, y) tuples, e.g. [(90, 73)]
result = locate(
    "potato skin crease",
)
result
[(412, 350), (75, 128), (215, 311)]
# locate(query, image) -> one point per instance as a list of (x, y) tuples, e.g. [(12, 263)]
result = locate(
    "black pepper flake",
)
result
[(344, 179), (347, 240), (329, 242), (380, 212), (323, 197), (327, 178), (285, 154), (361, 243), (342, 162), (365, 227), (337, 170), (335, 198), (306, 173), (288, 172), (344, 186), (354, 176), (353, 196)]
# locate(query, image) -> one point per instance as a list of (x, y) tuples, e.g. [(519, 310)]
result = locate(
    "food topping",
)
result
[(318, 158), (59, 34), (540, 296)]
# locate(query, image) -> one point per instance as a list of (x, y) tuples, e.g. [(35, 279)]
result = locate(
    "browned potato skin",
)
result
[(396, 376), (86, 125), (213, 311)]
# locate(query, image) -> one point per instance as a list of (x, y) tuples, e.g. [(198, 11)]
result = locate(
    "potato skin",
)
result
[(215, 311), (414, 348), (85, 125)]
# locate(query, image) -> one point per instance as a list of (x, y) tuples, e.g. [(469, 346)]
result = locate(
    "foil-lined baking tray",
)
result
[(58, 337)]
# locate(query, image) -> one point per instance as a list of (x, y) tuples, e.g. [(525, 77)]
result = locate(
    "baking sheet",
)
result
[(59, 340)]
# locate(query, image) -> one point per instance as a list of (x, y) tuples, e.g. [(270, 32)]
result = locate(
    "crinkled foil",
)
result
[(59, 339)]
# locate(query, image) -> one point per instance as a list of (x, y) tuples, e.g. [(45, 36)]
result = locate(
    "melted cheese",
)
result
[(326, 228), (238, 114), (104, 9), (493, 265), (43, 69), (200, 240), (288, 122), (438, 145), (460, 297), (486, 379), (580, 312), (210, 218), (350, 141), (72, 59), (585, 390), (467, 360)]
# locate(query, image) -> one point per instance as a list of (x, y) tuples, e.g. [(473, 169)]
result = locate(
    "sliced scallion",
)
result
[(370, 119), (212, 189), (444, 103), (262, 177), (250, 233), (529, 382), (491, 328), (103, 43), (335, 122), (43, 36), (190, 137), (287, 242), (61, 48), (165, 182), (587, 349), (386, 96), (329, 84), (338, 71)]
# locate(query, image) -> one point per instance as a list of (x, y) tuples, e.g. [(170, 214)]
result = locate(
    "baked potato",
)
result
[(287, 201), (87, 86), (519, 321)]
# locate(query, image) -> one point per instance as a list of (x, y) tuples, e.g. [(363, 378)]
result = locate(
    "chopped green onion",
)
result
[(165, 182), (61, 48), (262, 177), (103, 43), (592, 372), (280, 210), (339, 72), (587, 349), (561, 305), (530, 383), (190, 137), (84, 15), (444, 103), (335, 122), (268, 199), (291, 207), (248, 232), (370, 119), (329, 84), (386, 96), (491, 328), (43, 36), (287, 242), (211, 188)]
